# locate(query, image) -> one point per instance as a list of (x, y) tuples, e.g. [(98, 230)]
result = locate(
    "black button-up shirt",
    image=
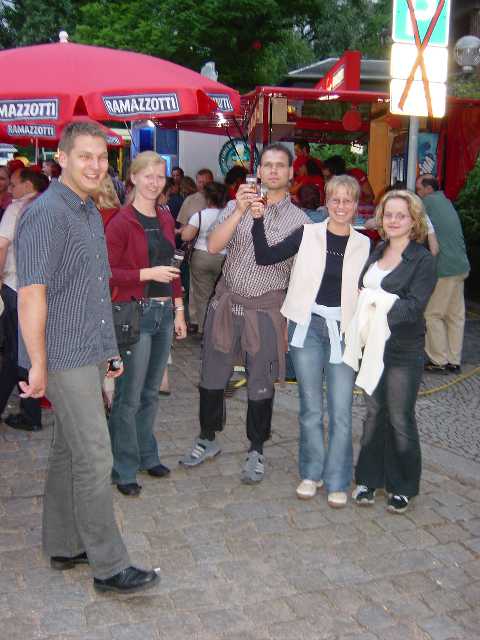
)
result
[(60, 243)]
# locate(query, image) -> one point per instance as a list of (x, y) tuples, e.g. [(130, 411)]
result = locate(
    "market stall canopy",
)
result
[(346, 116), (51, 83), (47, 135)]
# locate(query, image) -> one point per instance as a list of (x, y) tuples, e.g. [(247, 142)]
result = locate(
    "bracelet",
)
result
[(179, 308)]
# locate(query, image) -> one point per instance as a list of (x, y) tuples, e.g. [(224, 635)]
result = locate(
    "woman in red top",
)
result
[(140, 241)]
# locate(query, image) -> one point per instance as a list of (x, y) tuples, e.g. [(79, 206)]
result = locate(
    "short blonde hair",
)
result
[(415, 209), (350, 184), (75, 129), (144, 159), (106, 197)]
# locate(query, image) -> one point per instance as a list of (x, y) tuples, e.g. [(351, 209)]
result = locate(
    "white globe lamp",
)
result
[(467, 53)]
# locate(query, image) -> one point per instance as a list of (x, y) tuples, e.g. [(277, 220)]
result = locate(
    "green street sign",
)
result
[(424, 12)]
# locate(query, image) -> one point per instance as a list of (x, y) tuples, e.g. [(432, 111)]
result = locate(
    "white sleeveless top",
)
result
[(374, 276)]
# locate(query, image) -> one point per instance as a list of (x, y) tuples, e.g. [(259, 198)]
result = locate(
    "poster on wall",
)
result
[(427, 156), (236, 152), (427, 153), (398, 170)]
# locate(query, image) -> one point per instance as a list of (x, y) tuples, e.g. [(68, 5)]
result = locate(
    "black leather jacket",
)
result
[(413, 281)]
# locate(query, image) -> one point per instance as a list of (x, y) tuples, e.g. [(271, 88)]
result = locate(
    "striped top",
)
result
[(243, 276), (60, 243)]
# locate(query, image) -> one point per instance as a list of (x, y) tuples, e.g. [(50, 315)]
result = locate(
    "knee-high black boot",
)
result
[(259, 423), (211, 412)]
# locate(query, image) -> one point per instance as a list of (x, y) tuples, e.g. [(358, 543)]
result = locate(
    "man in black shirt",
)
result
[(65, 315)]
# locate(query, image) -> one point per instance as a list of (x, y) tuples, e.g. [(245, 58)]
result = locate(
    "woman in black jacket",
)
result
[(390, 454)]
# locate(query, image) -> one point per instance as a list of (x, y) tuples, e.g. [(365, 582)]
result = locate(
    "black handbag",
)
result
[(189, 246), (126, 321)]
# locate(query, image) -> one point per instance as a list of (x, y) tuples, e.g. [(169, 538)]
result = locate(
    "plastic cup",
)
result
[(177, 259)]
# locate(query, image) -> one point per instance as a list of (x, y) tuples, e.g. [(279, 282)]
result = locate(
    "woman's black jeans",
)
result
[(390, 455)]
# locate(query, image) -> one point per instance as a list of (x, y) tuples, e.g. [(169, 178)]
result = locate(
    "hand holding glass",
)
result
[(177, 259)]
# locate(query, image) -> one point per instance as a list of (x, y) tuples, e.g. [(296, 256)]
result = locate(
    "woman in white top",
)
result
[(319, 305), (205, 267), (390, 455)]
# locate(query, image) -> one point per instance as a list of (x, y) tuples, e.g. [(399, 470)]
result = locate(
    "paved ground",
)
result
[(255, 563)]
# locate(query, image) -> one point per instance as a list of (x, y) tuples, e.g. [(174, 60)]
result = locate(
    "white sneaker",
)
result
[(202, 450), (363, 495), (308, 488), (254, 468), (337, 499)]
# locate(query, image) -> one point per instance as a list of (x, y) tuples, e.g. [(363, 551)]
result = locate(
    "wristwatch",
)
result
[(115, 364)]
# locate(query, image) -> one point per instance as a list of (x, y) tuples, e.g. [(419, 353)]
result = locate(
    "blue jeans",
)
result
[(332, 464), (135, 402)]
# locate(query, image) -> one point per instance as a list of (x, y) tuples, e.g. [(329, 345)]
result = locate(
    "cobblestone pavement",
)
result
[(255, 563)]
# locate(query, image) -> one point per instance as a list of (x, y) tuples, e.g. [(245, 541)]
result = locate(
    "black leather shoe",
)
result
[(160, 471), (128, 580), (431, 367), (22, 422), (62, 563), (454, 368), (133, 489)]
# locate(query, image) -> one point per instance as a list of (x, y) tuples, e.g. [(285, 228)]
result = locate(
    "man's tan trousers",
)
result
[(445, 318)]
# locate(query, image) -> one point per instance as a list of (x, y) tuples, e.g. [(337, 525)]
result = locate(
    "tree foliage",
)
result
[(324, 151), (24, 22), (468, 207), (468, 204), (251, 41), (465, 86), (239, 36), (278, 59), (331, 26)]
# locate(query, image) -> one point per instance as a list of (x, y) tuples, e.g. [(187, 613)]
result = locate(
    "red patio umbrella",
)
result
[(51, 83), (46, 135)]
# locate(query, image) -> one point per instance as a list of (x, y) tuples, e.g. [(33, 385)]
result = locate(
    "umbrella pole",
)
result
[(234, 147), (129, 129), (120, 163)]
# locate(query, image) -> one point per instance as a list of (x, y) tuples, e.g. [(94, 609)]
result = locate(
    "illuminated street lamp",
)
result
[(467, 53)]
